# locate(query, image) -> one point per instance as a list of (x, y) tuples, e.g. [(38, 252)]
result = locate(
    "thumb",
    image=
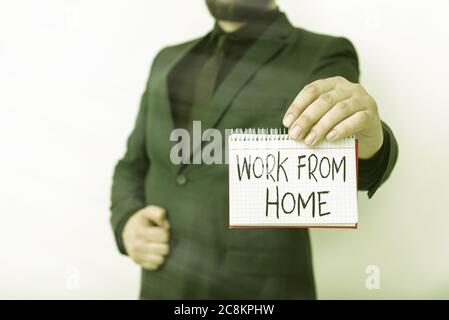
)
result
[(156, 215)]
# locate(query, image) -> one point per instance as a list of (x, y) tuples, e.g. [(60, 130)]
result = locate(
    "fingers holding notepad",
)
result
[(332, 109)]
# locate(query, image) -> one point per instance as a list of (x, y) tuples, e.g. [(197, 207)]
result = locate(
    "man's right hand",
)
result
[(145, 237)]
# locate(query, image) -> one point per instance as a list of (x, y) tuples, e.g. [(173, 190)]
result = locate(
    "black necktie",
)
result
[(206, 81)]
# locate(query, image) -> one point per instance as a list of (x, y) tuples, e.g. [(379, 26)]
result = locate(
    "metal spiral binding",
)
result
[(259, 134), (264, 134)]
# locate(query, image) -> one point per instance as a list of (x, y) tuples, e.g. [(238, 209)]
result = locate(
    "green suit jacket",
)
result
[(207, 259)]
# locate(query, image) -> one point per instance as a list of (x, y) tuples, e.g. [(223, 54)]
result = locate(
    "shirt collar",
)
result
[(252, 29)]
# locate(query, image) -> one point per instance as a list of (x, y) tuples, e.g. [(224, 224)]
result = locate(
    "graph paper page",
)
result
[(275, 182)]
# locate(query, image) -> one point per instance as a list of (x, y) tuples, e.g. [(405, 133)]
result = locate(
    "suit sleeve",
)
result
[(339, 58), (127, 195)]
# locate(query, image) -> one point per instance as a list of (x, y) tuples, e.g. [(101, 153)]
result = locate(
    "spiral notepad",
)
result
[(278, 182)]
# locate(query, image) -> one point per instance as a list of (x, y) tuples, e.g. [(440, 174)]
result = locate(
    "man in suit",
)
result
[(247, 72)]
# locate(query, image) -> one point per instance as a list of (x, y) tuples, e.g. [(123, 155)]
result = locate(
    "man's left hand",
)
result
[(332, 109)]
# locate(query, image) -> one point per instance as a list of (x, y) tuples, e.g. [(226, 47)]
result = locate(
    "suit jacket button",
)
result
[(181, 179)]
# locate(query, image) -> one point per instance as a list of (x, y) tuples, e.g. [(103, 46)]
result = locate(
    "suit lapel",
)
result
[(271, 42), (164, 125)]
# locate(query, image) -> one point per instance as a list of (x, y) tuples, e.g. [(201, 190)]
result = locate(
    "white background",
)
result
[(71, 75)]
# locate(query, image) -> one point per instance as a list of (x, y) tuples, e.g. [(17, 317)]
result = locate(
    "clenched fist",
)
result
[(332, 109), (145, 237)]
